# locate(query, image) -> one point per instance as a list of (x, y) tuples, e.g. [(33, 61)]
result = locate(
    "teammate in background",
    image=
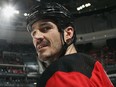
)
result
[(54, 36)]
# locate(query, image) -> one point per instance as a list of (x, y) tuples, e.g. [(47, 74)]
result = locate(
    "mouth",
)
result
[(42, 45)]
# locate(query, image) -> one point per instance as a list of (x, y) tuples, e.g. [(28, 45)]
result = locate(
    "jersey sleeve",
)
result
[(99, 77)]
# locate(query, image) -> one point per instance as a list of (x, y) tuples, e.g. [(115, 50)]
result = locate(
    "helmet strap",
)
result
[(64, 45)]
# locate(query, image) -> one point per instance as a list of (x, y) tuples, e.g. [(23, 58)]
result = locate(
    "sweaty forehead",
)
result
[(41, 23)]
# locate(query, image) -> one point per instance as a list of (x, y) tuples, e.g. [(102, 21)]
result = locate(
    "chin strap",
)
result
[(63, 49), (64, 45)]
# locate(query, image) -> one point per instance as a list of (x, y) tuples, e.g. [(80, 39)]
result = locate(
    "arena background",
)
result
[(95, 23)]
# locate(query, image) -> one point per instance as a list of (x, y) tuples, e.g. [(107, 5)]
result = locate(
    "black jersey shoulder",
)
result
[(77, 62)]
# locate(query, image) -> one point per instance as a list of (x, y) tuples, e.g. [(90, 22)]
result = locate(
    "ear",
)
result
[(68, 34)]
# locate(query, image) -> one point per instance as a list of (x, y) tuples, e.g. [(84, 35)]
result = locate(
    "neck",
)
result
[(71, 49)]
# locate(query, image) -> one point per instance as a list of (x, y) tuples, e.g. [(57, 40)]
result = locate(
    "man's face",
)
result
[(46, 39)]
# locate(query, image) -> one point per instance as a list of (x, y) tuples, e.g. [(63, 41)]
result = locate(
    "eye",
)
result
[(45, 29)]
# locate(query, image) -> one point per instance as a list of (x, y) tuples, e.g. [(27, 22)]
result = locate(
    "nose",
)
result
[(33, 33), (37, 36)]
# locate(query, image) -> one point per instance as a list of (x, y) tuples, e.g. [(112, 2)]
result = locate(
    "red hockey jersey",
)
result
[(75, 70)]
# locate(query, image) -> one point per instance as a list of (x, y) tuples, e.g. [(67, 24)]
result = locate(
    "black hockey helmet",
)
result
[(54, 11)]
